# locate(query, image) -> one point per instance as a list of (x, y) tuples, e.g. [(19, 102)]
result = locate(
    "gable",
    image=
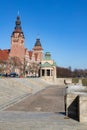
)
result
[(46, 64)]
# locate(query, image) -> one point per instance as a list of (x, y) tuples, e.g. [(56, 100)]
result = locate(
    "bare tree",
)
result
[(3, 66), (15, 63), (34, 68)]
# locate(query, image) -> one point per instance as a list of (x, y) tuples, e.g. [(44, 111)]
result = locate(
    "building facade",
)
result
[(48, 68), (18, 58)]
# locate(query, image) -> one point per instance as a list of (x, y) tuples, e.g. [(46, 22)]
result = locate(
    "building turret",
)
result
[(37, 45), (38, 51), (18, 28), (18, 23), (17, 41)]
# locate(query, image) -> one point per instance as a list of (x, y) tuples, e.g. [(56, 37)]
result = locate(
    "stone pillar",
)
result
[(54, 73), (72, 105), (50, 72), (45, 72), (83, 108), (40, 72)]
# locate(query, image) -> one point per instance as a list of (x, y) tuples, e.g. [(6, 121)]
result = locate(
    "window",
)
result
[(48, 72), (43, 72)]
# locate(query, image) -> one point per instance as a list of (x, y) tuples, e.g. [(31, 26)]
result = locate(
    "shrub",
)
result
[(84, 81), (75, 80)]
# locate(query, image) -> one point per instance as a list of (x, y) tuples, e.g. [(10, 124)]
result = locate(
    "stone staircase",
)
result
[(34, 83), (13, 90)]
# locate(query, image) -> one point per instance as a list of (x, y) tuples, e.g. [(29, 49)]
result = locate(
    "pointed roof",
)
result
[(46, 64), (18, 23), (18, 27), (37, 45)]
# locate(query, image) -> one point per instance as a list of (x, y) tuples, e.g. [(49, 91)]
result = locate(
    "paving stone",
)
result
[(36, 120), (13, 89)]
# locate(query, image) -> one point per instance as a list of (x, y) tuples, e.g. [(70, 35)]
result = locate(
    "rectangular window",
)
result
[(43, 72)]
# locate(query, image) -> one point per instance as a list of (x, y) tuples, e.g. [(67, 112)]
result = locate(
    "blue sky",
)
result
[(61, 25)]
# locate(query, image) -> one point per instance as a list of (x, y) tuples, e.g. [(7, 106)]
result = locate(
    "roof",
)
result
[(47, 56), (37, 45), (18, 28), (35, 54), (46, 64), (37, 42), (4, 54)]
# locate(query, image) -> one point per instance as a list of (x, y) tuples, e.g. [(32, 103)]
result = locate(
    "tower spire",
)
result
[(38, 36), (18, 23), (18, 28)]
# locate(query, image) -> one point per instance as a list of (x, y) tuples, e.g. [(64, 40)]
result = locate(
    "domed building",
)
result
[(18, 58)]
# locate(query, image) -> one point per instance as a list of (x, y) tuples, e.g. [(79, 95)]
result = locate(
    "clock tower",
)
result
[(17, 41)]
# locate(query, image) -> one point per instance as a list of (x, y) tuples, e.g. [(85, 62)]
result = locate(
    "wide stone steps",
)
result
[(14, 89), (34, 83)]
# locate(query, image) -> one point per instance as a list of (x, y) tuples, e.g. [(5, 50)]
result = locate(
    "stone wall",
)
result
[(76, 106), (57, 81), (72, 106), (60, 81), (83, 108)]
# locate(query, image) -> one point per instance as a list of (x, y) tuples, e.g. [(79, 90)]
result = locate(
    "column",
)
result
[(45, 72), (50, 72), (40, 72)]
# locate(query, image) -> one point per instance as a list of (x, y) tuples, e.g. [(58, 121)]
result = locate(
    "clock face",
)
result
[(15, 40), (16, 35), (18, 38)]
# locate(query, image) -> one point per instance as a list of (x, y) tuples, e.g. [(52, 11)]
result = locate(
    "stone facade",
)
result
[(21, 60), (17, 42), (18, 49), (48, 68), (76, 103), (27, 58)]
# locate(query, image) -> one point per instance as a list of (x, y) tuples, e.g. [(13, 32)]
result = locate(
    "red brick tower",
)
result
[(38, 51), (17, 41)]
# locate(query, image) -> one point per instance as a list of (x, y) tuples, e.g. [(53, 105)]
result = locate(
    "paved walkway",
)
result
[(37, 121), (13, 119), (49, 99)]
